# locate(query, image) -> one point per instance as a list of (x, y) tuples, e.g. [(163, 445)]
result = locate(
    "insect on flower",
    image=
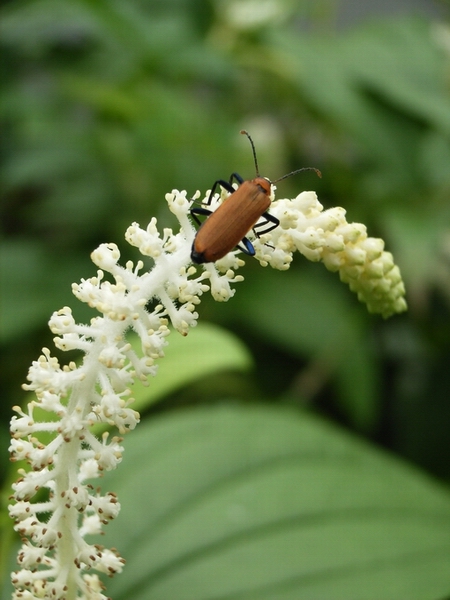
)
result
[(226, 227)]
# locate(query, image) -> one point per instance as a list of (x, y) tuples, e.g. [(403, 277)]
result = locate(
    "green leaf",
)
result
[(320, 320), (256, 503), (207, 349)]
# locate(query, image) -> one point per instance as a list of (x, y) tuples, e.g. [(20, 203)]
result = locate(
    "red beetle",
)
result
[(226, 227)]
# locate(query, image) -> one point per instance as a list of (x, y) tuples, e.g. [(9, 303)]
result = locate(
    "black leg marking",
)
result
[(270, 220), (226, 186), (237, 177), (204, 212)]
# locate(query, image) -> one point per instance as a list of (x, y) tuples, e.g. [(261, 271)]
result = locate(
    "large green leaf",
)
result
[(317, 319), (208, 349), (233, 502)]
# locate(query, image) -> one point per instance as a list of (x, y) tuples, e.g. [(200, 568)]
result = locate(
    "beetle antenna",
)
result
[(253, 148), (318, 173)]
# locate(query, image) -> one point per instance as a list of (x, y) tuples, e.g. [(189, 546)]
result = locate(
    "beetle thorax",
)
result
[(263, 183)]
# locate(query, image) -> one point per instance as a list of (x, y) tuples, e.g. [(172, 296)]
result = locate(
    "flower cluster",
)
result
[(326, 236), (54, 504)]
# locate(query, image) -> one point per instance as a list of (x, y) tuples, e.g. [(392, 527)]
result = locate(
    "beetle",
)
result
[(226, 227)]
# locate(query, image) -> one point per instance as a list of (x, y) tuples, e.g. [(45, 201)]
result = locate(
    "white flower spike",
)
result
[(62, 453), (326, 236)]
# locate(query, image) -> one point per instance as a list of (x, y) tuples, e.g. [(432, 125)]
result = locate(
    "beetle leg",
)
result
[(237, 177), (270, 220), (200, 211), (246, 246), (226, 186)]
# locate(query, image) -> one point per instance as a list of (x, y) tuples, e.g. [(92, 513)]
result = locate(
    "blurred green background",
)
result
[(107, 105)]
